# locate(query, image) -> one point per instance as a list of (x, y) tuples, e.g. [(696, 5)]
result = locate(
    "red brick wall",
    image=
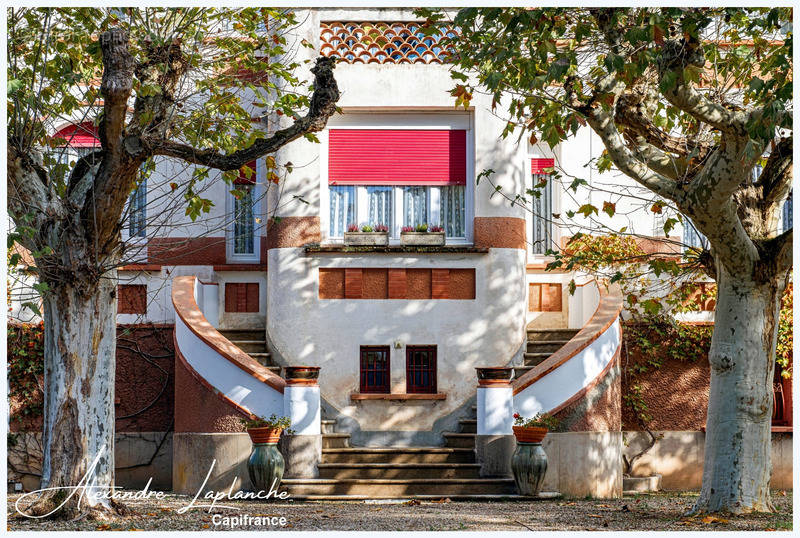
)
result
[(144, 384), (132, 299)]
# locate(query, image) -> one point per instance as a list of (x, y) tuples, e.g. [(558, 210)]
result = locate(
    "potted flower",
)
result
[(422, 235), (529, 462), (369, 234), (265, 465)]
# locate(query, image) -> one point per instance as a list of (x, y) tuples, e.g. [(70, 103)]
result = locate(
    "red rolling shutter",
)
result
[(397, 157), (541, 166), (79, 136)]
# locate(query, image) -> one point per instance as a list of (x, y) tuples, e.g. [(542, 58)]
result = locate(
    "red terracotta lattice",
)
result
[(383, 42)]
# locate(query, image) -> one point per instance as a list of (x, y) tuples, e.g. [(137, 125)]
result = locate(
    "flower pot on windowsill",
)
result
[(422, 239), (366, 238)]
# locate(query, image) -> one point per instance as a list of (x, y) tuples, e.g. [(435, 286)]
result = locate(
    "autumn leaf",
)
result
[(657, 208), (173, 186), (103, 527), (708, 520), (595, 515), (609, 208)]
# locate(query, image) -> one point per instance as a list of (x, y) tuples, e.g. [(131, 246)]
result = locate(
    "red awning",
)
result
[(83, 135), (397, 157), (541, 166)]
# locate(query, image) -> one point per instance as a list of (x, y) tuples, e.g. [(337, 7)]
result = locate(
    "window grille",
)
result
[(374, 369), (421, 369)]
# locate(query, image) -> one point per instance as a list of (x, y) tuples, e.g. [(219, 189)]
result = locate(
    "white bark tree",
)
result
[(686, 102), (149, 63)]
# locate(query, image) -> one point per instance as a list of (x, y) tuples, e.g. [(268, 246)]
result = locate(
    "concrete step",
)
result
[(335, 440), (399, 470), (532, 359), (244, 334), (519, 371), (264, 359), (251, 346), (551, 334), (459, 440), (468, 425), (502, 497), (398, 455), (399, 488), (542, 346), (328, 425)]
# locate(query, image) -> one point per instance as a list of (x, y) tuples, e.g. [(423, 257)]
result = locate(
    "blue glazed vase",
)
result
[(265, 467), (529, 465)]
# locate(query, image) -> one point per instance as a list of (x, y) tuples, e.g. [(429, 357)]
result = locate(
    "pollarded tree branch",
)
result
[(783, 257), (629, 113), (27, 191), (114, 176), (322, 107), (682, 94), (602, 122), (776, 178)]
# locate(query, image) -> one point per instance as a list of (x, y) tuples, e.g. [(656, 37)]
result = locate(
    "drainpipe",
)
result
[(302, 450), (494, 442)]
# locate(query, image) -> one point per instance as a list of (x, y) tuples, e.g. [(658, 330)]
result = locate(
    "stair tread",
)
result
[(335, 434), (539, 353), (404, 465), (458, 434), (453, 497), (469, 420), (547, 342), (289, 481), (395, 449), (248, 341)]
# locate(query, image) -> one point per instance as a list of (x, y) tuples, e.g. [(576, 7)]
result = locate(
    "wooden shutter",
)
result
[(241, 297)]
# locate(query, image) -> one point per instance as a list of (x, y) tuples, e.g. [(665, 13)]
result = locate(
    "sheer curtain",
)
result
[(243, 233), (415, 204), (380, 206), (343, 209), (452, 209)]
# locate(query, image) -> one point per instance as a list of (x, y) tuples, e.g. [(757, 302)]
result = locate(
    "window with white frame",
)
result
[(542, 210), (397, 178), (137, 210), (243, 208)]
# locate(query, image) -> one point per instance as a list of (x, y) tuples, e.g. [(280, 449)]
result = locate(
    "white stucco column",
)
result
[(301, 405), (494, 442), (302, 450)]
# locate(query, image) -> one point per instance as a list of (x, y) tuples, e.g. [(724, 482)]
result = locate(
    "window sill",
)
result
[(355, 396), (339, 248)]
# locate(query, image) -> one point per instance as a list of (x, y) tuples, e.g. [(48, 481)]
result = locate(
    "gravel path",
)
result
[(640, 512)]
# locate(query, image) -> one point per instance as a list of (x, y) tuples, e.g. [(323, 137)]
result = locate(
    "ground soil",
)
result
[(664, 511)]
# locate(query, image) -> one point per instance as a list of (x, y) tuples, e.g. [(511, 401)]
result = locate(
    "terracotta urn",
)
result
[(496, 375), (301, 375)]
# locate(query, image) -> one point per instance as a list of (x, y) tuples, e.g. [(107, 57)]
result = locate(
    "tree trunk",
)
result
[(79, 372), (737, 467)]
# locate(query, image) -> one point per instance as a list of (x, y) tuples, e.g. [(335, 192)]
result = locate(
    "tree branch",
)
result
[(603, 124), (776, 178), (322, 107), (683, 95)]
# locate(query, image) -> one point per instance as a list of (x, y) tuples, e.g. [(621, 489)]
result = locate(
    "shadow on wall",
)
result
[(678, 457)]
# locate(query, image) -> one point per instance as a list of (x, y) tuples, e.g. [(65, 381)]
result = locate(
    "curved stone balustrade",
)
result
[(569, 373), (218, 364)]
